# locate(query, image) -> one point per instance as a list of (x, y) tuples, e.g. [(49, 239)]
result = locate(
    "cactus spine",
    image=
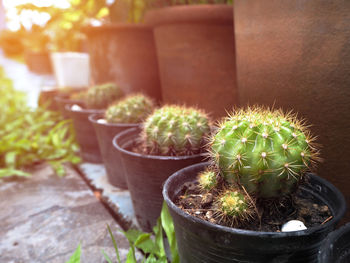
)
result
[(265, 151), (132, 109), (175, 130), (100, 96)]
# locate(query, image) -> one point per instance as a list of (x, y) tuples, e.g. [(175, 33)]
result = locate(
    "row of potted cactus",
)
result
[(255, 155)]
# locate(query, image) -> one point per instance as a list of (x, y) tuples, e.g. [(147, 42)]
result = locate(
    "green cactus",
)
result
[(175, 130), (233, 203), (265, 151), (207, 180), (79, 95), (132, 109), (100, 96)]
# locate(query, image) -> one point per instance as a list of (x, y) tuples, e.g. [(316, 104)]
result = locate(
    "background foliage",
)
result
[(29, 136)]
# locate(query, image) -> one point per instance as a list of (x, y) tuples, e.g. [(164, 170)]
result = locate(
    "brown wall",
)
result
[(296, 55)]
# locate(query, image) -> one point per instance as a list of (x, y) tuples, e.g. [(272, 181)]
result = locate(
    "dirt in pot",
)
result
[(272, 214)]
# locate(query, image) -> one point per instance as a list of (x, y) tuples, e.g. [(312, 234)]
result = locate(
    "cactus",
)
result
[(100, 96), (207, 180), (234, 206), (132, 109), (265, 151), (175, 130), (80, 95)]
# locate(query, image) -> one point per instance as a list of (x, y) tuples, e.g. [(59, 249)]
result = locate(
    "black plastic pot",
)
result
[(61, 102), (336, 247), (202, 241), (85, 133), (47, 98), (111, 157), (145, 175)]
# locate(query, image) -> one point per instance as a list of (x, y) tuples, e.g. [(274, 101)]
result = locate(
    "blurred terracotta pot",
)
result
[(125, 54), (296, 55), (38, 62), (196, 55)]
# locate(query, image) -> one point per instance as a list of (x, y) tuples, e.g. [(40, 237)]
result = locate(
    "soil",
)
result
[(272, 213)]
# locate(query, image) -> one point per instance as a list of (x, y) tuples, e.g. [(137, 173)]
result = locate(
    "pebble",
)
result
[(76, 107), (293, 225), (102, 121)]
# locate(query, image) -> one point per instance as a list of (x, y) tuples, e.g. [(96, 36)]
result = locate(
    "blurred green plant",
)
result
[(30, 136), (65, 25), (75, 258), (153, 248)]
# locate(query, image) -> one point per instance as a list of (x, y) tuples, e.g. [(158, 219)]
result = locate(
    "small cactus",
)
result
[(132, 109), (264, 150), (100, 96), (207, 180), (232, 203), (79, 95), (175, 130)]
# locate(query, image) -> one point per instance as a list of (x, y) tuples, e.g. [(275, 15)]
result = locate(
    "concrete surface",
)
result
[(117, 199), (45, 217)]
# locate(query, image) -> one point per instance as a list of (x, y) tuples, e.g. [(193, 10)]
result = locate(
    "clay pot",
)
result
[(296, 55), (196, 55), (202, 241), (38, 62), (111, 158), (145, 175), (124, 54)]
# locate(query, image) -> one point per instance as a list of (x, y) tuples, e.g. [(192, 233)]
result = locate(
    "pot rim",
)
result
[(205, 13), (329, 244), (115, 27), (244, 232), (147, 156), (68, 107), (95, 116)]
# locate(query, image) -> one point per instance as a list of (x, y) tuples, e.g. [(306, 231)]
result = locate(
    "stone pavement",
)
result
[(117, 199), (45, 217)]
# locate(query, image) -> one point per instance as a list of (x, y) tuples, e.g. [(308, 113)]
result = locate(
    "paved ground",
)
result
[(44, 218)]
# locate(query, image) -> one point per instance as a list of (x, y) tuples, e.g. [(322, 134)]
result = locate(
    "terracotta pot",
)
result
[(296, 55), (145, 175), (201, 241), (38, 62), (124, 54), (196, 55)]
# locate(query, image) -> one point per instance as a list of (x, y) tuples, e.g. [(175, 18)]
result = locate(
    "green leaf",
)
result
[(132, 234), (10, 159), (114, 244), (158, 231), (168, 226), (13, 172), (131, 255), (146, 244), (75, 258), (106, 256)]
